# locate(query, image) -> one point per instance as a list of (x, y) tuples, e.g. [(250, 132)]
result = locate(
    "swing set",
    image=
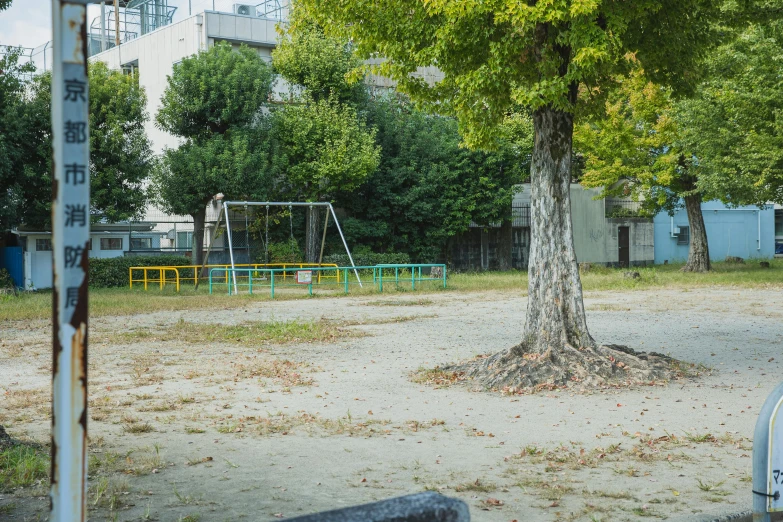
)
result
[(290, 204)]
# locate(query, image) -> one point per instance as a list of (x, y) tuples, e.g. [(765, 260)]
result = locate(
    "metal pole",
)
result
[(766, 485), (70, 241), (209, 248), (117, 22), (103, 26), (230, 246), (340, 230)]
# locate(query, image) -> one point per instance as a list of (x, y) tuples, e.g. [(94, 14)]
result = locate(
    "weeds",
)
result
[(23, 465)]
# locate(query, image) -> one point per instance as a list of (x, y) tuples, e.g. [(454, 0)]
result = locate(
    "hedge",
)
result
[(369, 259), (113, 271)]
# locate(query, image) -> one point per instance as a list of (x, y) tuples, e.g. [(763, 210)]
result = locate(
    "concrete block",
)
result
[(421, 507)]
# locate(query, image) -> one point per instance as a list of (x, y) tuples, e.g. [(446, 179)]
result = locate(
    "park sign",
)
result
[(304, 277), (768, 458)]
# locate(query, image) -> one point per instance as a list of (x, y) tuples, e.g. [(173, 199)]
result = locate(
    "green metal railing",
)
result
[(271, 277)]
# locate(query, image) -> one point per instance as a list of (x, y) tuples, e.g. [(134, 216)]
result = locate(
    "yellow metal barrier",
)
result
[(162, 278)]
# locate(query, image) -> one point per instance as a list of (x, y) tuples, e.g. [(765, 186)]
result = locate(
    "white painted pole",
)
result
[(70, 246)]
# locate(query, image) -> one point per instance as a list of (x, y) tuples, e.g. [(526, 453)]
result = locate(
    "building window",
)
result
[(111, 243), (43, 245), (184, 240), (684, 237), (141, 243)]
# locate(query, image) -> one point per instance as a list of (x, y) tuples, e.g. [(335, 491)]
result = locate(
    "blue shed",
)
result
[(746, 232)]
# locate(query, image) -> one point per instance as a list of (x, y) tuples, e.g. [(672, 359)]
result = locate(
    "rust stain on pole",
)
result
[(70, 254)]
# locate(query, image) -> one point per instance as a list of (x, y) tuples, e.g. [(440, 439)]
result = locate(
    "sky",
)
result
[(28, 23)]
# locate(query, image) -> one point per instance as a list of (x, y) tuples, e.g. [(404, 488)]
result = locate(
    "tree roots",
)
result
[(520, 368)]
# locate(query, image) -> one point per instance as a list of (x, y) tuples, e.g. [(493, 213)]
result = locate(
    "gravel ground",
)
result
[(363, 431)]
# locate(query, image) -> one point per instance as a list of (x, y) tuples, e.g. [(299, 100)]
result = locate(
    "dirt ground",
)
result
[(226, 430)]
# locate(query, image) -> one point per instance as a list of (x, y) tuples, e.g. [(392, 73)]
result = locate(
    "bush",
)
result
[(6, 283), (284, 252), (113, 271), (369, 259)]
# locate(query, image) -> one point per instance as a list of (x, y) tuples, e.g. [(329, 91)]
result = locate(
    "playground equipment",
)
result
[(224, 214), (274, 278), (165, 275)]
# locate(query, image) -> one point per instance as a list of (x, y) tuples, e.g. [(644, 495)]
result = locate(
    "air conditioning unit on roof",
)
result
[(245, 9)]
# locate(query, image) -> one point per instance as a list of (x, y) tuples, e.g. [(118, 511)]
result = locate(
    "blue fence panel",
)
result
[(12, 259)]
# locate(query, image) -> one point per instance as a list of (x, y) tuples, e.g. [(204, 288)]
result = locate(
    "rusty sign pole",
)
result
[(70, 249)]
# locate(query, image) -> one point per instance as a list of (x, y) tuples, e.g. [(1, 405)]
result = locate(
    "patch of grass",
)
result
[(284, 372), (248, 333), (479, 486), (710, 486), (7, 509), (124, 301), (23, 465), (400, 302), (437, 377), (108, 492), (193, 430), (131, 425)]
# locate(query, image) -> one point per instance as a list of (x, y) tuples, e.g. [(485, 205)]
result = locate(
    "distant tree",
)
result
[(427, 189), (186, 178), (498, 55), (318, 149), (734, 125), (633, 148), (120, 155), (319, 145), (310, 60), (724, 143), (5, 4), (213, 101), (17, 137)]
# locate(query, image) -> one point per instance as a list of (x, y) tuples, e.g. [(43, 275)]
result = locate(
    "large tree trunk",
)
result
[(699, 250), (313, 238), (556, 347), (197, 250)]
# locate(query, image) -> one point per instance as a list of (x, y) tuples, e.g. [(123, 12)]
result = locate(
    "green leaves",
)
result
[(495, 55), (733, 124), (318, 148), (120, 157), (306, 57), (213, 91)]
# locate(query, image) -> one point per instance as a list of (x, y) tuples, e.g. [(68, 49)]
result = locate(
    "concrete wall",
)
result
[(730, 232)]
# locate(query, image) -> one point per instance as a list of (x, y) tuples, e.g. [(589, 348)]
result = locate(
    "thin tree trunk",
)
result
[(312, 239), (698, 250), (197, 249), (556, 347)]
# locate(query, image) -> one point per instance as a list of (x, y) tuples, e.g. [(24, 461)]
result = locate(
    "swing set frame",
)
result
[(224, 214)]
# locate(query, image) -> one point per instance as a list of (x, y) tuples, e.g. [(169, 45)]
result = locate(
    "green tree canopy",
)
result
[(213, 91), (734, 125), (318, 148), (214, 102), (318, 63), (120, 157), (427, 188)]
